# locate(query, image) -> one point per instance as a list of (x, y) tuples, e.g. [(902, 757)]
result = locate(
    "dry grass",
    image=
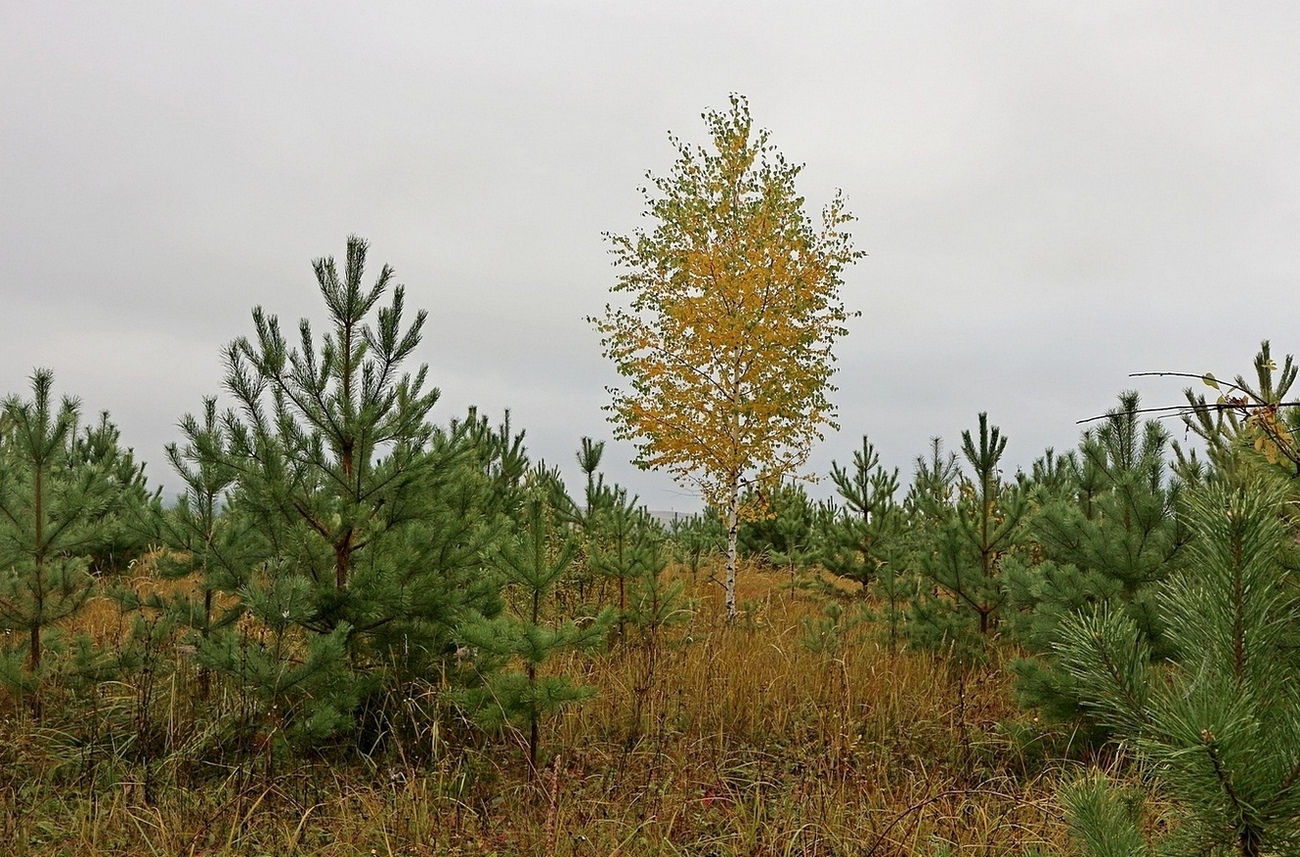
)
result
[(744, 741)]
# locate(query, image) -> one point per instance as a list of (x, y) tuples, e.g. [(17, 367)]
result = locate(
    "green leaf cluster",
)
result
[(964, 536), (513, 648), (1106, 530), (338, 536), (65, 500), (1220, 724)]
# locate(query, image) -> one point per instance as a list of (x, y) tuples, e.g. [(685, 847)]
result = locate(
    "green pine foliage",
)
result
[(514, 647), (57, 508), (128, 533), (865, 540), (857, 541), (783, 534), (201, 541), (926, 510), (1107, 530), (1121, 520), (1219, 726), (824, 634), (1250, 425), (587, 520), (1104, 818), (654, 603), (696, 540), (622, 543), (354, 531), (595, 492), (295, 686), (964, 538), (625, 545), (340, 573)]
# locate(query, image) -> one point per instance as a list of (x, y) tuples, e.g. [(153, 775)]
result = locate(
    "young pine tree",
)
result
[(1251, 417), (781, 530), (854, 547), (865, 540), (1220, 726), (597, 498), (128, 532), (363, 526), (655, 604), (1108, 531), (524, 638), (625, 542), (695, 539), (203, 542), (971, 535), (55, 511)]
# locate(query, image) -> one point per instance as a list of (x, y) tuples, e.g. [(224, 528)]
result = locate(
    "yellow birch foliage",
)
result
[(734, 309)]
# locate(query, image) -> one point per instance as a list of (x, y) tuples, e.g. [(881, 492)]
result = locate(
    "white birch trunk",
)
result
[(733, 528)]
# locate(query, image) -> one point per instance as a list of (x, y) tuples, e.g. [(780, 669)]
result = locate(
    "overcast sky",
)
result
[(1052, 195)]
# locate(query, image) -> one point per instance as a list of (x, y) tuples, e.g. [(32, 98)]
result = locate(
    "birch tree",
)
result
[(733, 309)]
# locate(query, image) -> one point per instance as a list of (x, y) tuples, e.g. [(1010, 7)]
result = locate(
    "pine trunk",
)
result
[(38, 614)]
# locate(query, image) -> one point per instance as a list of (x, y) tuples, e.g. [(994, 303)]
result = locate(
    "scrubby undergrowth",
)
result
[(794, 732)]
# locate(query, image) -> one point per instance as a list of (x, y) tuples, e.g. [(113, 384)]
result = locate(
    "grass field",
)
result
[(783, 736)]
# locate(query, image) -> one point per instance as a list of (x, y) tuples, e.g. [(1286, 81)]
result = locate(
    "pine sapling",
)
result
[(523, 639), (1220, 726), (970, 534), (53, 513)]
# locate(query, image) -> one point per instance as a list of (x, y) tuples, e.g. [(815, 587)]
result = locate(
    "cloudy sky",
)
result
[(1052, 195)]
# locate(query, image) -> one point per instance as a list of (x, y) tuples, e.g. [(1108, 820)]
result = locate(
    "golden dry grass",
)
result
[(744, 741)]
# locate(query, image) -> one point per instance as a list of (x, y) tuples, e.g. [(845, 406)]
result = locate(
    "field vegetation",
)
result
[(362, 630), (778, 736)]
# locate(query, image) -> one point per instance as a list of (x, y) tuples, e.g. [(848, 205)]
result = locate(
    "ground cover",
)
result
[(795, 732)]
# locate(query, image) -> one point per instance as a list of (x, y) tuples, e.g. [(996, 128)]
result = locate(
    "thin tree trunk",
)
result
[(343, 561), (38, 618), (34, 649), (733, 528), (531, 671)]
